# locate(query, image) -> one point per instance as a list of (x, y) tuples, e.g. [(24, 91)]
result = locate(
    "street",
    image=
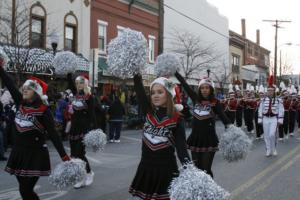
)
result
[(258, 177)]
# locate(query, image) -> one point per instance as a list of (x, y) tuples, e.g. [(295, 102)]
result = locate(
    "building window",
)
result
[(235, 61), (102, 36), (250, 50), (120, 29), (70, 32), (37, 32), (151, 48), (70, 41), (37, 29)]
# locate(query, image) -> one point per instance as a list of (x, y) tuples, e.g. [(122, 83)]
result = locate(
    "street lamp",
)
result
[(54, 39)]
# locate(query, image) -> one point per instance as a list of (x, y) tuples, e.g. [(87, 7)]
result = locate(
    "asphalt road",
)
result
[(257, 177)]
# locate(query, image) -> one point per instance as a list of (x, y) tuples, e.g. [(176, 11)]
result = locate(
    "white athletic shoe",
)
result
[(275, 153), (80, 184), (117, 141), (89, 178), (268, 153), (292, 134), (111, 141), (280, 139), (287, 137)]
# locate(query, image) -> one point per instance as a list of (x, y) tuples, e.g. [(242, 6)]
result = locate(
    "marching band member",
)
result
[(258, 127), (240, 107), (284, 128), (293, 110), (231, 105), (270, 114), (250, 104)]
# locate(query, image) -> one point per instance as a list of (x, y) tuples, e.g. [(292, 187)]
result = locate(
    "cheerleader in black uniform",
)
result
[(203, 141), (29, 158), (163, 133), (83, 120)]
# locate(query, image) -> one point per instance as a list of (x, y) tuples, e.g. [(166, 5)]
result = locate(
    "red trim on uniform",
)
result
[(149, 196), (155, 147), (27, 110), (21, 172), (166, 122)]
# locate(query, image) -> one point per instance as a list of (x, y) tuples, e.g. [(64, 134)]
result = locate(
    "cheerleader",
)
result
[(29, 158), (284, 128), (203, 141), (83, 120), (231, 105), (270, 114), (163, 133)]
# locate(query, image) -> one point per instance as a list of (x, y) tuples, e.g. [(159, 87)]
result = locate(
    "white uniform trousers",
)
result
[(270, 127)]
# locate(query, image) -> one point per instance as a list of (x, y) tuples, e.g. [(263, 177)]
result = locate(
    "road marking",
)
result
[(268, 182), (256, 178), (89, 157)]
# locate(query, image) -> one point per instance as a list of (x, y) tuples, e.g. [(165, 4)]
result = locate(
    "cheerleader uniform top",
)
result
[(203, 137), (29, 155), (83, 118), (162, 135)]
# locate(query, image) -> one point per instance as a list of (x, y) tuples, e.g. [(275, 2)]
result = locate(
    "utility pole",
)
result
[(276, 25), (13, 22), (280, 66), (161, 27)]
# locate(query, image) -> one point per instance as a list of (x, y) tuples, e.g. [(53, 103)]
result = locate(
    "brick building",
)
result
[(109, 18), (249, 60)]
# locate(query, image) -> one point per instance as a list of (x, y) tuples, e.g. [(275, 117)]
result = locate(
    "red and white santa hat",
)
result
[(172, 88), (85, 78), (38, 86)]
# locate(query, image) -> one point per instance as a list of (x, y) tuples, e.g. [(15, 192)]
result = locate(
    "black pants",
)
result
[(298, 117), (284, 128), (115, 130), (203, 161), (258, 127), (26, 186), (231, 115), (239, 117), (78, 151), (248, 117), (292, 121)]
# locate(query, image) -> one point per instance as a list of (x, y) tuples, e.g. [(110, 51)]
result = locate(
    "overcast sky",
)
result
[(254, 11)]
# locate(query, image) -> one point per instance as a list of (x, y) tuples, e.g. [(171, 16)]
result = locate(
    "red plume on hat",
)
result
[(271, 82)]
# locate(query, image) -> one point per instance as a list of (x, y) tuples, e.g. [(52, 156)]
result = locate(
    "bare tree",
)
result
[(286, 67), (224, 78), (15, 28), (195, 57)]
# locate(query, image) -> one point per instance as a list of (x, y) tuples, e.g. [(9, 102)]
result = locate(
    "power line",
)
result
[(196, 21)]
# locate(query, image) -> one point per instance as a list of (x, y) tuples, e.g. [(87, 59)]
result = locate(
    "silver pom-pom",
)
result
[(234, 144), (194, 184), (127, 54), (64, 62), (95, 139), (68, 173), (4, 57), (166, 65)]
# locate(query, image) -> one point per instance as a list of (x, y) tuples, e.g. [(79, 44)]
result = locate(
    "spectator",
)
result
[(2, 146), (59, 114), (116, 112)]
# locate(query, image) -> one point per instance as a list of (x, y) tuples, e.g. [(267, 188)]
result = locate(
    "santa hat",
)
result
[(85, 78), (271, 86), (172, 88), (38, 86), (230, 89), (206, 80)]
